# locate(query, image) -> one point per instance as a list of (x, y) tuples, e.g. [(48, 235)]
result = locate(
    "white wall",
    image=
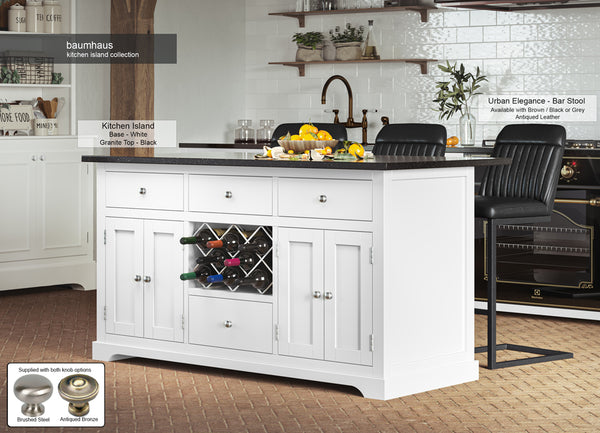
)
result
[(541, 52), (93, 81), (205, 90)]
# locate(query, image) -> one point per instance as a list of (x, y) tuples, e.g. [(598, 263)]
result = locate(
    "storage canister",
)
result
[(16, 18), (35, 16), (52, 16)]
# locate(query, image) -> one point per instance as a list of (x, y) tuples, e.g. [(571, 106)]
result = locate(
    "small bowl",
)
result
[(299, 146)]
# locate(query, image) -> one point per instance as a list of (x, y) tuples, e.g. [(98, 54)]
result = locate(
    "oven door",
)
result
[(551, 264)]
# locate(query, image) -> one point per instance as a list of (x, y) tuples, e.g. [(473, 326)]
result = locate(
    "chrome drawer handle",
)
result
[(328, 295), (138, 278), (228, 194), (147, 279), (228, 323), (142, 191), (317, 294), (322, 198)]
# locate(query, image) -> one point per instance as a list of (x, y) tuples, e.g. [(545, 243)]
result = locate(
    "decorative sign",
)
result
[(538, 108), (16, 117)]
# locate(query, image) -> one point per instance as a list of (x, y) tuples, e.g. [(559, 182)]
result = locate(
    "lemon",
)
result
[(357, 150), (323, 135), (308, 136), (307, 127), (295, 137)]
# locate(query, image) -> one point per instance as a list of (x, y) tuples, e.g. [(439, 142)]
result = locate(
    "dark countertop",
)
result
[(240, 159), (478, 150)]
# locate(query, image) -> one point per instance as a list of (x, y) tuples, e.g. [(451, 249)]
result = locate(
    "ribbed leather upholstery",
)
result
[(411, 139), (337, 131), (526, 187)]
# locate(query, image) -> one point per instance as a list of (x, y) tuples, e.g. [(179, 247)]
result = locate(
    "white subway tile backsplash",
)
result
[(545, 51)]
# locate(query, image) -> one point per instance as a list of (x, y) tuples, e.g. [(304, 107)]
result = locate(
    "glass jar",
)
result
[(265, 132), (244, 134)]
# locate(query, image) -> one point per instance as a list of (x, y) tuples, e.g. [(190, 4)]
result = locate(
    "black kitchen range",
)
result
[(552, 268)]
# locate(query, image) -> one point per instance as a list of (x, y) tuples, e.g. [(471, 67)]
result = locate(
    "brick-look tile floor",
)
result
[(58, 325)]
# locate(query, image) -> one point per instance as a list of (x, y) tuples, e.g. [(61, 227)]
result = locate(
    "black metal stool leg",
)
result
[(492, 347)]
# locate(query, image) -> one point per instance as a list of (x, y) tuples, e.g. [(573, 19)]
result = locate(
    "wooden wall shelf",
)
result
[(302, 65), (422, 10)]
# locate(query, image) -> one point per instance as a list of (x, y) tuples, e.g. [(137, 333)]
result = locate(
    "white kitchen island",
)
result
[(372, 266)]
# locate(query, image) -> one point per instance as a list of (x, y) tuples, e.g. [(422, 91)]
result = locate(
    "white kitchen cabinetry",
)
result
[(144, 296), (46, 227), (369, 289), (325, 295)]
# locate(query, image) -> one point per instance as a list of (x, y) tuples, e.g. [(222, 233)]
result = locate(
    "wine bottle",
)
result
[(199, 274), (203, 236), (245, 260), (259, 244), (230, 277), (230, 242), (216, 256), (259, 279)]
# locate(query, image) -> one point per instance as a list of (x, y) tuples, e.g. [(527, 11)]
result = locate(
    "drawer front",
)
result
[(231, 194), (232, 324), (326, 198), (144, 190)]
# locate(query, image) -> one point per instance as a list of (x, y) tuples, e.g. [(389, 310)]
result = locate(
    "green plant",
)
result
[(309, 39), (454, 95), (57, 78), (8, 76), (350, 34)]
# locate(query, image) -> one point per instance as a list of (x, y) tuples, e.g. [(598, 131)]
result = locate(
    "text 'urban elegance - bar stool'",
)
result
[(520, 193)]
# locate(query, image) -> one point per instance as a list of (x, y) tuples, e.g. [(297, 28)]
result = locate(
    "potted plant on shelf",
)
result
[(310, 46), (347, 43), (455, 95)]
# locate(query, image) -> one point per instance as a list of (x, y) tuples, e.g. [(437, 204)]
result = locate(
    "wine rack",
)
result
[(246, 235)]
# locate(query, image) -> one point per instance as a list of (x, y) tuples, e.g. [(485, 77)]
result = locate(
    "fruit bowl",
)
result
[(299, 146)]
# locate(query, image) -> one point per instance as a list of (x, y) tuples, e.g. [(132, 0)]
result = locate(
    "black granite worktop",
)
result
[(246, 159)]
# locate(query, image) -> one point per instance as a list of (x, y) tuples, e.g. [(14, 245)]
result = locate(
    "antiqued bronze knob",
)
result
[(33, 390), (78, 390)]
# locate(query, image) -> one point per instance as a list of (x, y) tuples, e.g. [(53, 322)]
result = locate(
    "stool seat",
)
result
[(508, 207)]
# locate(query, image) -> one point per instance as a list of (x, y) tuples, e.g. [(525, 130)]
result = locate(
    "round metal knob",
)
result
[(78, 390), (34, 158), (317, 294), (323, 198), (42, 157), (228, 194), (228, 323), (147, 279), (567, 172), (142, 191), (138, 278), (33, 390), (328, 295)]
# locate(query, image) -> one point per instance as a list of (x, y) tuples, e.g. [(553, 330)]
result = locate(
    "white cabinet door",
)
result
[(301, 293), (65, 206), (348, 297), (124, 273), (18, 232), (163, 290)]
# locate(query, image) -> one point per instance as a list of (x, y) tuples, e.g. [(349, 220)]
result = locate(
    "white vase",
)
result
[(467, 124)]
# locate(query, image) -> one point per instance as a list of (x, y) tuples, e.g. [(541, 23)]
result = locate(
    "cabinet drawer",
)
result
[(251, 323), (326, 198), (144, 190), (231, 194)]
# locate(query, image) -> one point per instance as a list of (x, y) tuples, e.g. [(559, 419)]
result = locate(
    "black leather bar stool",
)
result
[(522, 192), (411, 139), (337, 131)]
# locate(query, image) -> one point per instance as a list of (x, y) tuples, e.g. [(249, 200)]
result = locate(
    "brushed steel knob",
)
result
[(147, 279), (78, 390), (228, 323), (323, 198), (42, 158), (138, 278), (228, 194), (328, 295), (316, 294), (33, 390), (142, 191)]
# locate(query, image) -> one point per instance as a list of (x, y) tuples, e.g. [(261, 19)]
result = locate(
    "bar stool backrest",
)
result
[(411, 139)]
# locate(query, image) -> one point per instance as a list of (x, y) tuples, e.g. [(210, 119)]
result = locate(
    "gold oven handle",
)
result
[(592, 202)]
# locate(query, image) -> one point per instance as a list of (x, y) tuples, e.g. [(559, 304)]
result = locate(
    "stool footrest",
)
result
[(546, 355)]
